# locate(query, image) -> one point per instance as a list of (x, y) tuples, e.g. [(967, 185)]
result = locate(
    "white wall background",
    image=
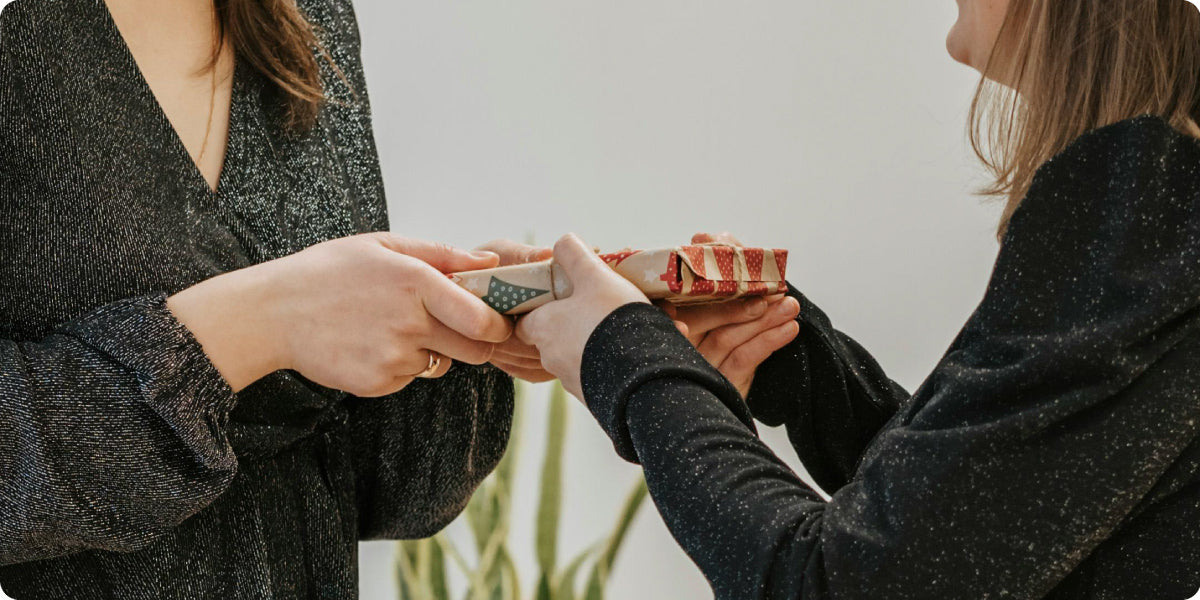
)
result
[(834, 129)]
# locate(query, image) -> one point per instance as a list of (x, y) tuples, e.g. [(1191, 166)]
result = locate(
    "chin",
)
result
[(959, 51)]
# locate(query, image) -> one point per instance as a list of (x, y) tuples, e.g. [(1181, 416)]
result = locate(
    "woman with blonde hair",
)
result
[(1054, 452)]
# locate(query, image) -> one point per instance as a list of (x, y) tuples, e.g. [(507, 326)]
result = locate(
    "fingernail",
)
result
[(483, 254)]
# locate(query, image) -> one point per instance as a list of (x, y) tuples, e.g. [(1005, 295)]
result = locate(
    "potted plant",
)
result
[(423, 566)]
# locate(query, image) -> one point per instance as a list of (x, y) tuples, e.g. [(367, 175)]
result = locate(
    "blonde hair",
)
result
[(1065, 67)]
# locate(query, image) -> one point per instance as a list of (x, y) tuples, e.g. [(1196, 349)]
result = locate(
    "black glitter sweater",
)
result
[(1054, 452), (128, 468)]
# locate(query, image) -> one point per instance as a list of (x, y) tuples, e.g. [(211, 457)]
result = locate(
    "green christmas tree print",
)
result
[(503, 296)]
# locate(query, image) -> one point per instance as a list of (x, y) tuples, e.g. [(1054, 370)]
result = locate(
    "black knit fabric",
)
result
[(128, 468), (1054, 452)]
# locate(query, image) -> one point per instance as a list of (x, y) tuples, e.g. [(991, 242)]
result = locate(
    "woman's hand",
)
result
[(359, 314), (560, 329), (515, 357), (736, 337)]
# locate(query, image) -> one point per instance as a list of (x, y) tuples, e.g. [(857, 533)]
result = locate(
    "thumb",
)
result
[(442, 257), (528, 326), (576, 258)]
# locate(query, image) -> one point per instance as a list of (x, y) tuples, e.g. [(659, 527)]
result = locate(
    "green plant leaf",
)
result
[(510, 584), (595, 587), (422, 565), (437, 572), (490, 564), (449, 549), (543, 588), (604, 564), (478, 514), (633, 503), (550, 500), (506, 470), (407, 580), (564, 588), (511, 578)]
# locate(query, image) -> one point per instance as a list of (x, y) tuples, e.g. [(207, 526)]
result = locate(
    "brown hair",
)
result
[(276, 39), (1065, 67)]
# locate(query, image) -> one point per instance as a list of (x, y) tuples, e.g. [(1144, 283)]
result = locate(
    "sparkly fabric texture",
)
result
[(128, 468), (1054, 452)]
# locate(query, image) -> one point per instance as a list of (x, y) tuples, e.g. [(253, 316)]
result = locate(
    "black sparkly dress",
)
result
[(1054, 452), (128, 468)]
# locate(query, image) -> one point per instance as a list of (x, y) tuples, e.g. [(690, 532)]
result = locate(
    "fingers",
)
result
[(459, 310), (397, 383), (683, 329), (744, 361), (442, 257), (531, 375), (450, 344), (527, 327), (513, 346), (721, 343), (704, 318), (516, 253), (516, 361), (720, 238), (576, 258)]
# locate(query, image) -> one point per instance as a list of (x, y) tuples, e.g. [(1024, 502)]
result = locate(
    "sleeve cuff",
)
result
[(772, 396), (634, 345), (174, 374)]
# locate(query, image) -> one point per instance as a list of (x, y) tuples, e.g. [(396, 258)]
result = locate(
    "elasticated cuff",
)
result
[(174, 374)]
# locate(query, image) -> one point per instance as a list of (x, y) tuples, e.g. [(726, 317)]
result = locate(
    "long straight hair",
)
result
[(1063, 67), (277, 39)]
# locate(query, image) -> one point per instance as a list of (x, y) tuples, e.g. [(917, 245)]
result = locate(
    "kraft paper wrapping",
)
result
[(682, 275)]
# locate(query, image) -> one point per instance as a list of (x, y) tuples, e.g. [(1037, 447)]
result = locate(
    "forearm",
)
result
[(743, 516)]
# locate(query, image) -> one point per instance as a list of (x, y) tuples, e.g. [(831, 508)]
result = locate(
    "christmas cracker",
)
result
[(694, 274)]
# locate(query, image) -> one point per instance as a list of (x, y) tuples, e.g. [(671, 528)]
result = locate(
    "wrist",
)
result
[(235, 319)]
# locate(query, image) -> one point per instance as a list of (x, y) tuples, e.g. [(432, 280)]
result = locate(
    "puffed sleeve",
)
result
[(420, 454), (1065, 398), (111, 433)]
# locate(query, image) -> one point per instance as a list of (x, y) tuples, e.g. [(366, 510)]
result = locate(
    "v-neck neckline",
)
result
[(146, 94)]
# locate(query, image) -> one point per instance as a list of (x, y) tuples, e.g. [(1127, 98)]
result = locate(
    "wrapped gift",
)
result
[(693, 274)]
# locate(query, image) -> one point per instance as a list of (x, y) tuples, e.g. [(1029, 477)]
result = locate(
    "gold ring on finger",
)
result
[(435, 363)]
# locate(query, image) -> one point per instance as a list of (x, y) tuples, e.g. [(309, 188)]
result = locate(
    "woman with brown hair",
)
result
[(197, 297), (1054, 452)]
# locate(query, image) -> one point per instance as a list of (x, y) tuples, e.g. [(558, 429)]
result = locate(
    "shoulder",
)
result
[(332, 17), (336, 27), (5, 5), (1110, 224), (336, 23), (1137, 165)]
